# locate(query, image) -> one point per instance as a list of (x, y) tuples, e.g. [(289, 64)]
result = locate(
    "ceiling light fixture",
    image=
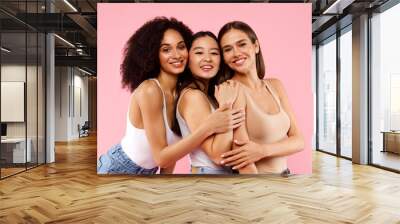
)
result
[(337, 7), (84, 71), (70, 5), (64, 40), (5, 49)]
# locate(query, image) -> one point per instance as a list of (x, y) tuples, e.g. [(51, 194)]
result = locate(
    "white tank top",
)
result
[(135, 143), (198, 157)]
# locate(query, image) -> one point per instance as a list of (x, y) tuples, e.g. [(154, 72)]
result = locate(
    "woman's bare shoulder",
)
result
[(276, 84), (273, 81), (149, 93), (192, 96), (192, 103)]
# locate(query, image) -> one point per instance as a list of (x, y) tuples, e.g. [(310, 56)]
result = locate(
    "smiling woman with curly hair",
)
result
[(141, 54), (154, 56)]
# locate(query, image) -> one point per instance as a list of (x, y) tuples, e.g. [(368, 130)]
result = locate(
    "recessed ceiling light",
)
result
[(64, 40), (337, 7), (70, 5), (84, 71), (5, 50)]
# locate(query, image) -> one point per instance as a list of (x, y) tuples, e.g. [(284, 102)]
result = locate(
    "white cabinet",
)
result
[(15, 148)]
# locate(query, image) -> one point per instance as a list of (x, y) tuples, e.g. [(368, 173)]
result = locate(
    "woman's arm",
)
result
[(248, 152), (295, 141), (150, 101), (195, 107), (240, 134)]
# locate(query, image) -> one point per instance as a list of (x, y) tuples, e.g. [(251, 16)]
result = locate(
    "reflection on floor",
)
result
[(386, 159), (346, 152), (11, 169)]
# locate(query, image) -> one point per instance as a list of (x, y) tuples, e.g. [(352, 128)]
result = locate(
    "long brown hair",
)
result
[(227, 72)]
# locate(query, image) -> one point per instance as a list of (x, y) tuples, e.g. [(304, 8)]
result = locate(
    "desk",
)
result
[(391, 141), (15, 148)]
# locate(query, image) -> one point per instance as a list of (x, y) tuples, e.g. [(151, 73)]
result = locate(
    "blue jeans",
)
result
[(115, 161), (210, 170)]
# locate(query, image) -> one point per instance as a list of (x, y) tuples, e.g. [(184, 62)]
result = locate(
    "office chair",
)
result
[(84, 130)]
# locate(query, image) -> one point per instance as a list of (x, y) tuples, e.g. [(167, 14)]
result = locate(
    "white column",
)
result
[(360, 90), (50, 93), (50, 100)]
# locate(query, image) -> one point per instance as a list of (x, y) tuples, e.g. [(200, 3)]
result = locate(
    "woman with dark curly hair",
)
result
[(154, 57)]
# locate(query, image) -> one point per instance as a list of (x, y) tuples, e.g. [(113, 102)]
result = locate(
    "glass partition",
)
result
[(22, 87), (13, 103)]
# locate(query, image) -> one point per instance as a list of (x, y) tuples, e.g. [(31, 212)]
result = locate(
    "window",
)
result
[(327, 96), (385, 88), (346, 75)]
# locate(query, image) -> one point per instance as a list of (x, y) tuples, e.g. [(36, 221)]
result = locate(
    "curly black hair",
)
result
[(141, 52)]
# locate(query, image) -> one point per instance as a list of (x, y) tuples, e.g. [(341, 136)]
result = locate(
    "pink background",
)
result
[(284, 32)]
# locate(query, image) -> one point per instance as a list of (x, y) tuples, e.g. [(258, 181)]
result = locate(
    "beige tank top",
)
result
[(264, 128)]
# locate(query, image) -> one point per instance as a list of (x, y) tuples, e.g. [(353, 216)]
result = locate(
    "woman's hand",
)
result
[(227, 92), (247, 153), (224, 119)]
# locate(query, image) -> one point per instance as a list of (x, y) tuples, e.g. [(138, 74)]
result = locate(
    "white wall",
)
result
[(80, 84), (71, 102), (62, 81), (12, 101)]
